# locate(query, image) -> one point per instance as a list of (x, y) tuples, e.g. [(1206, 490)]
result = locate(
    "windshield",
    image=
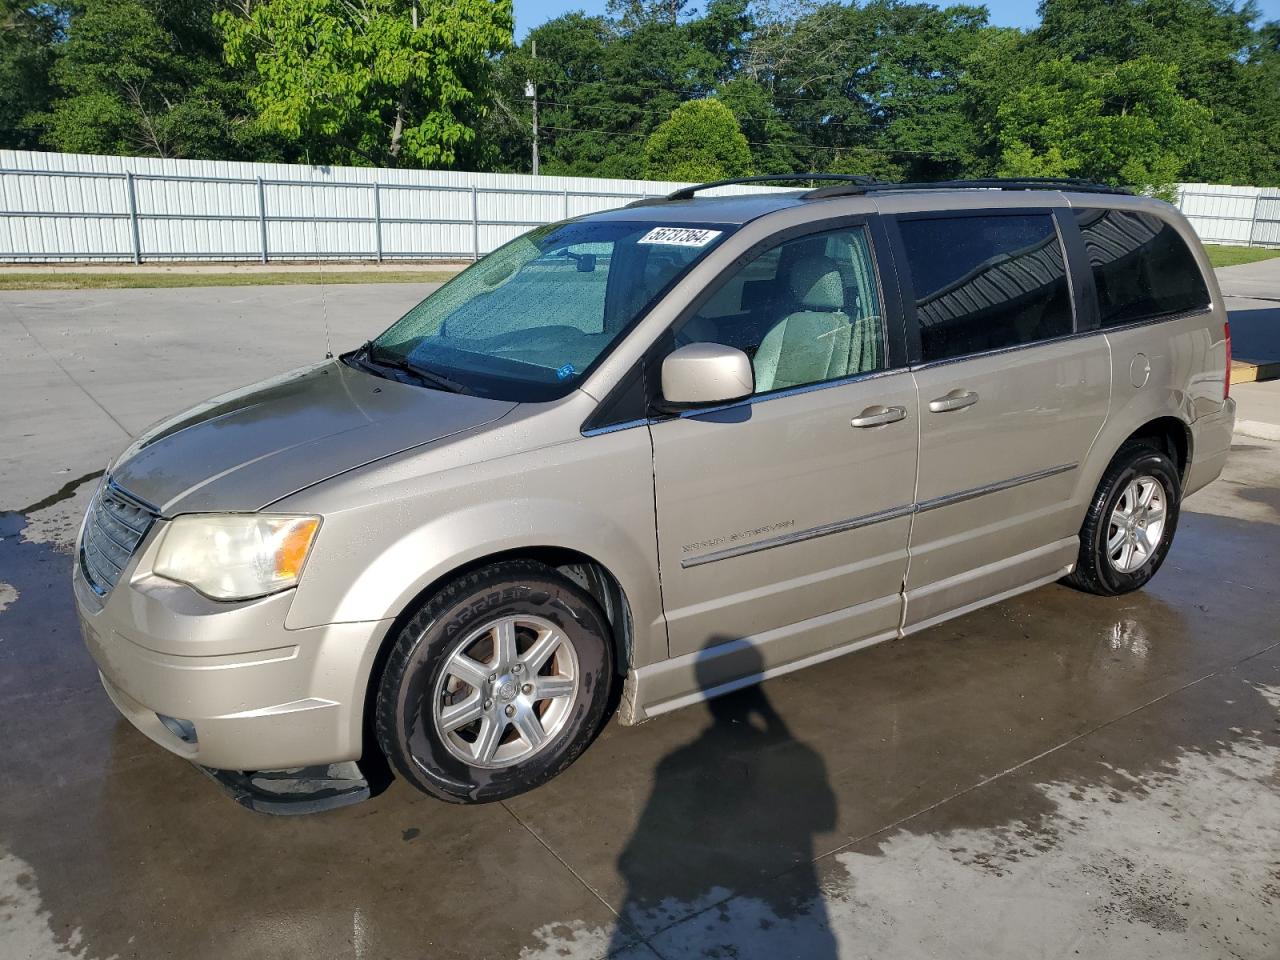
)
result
[(527, 322)]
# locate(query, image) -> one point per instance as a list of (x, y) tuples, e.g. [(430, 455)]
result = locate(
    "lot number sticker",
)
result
[(679, 236)]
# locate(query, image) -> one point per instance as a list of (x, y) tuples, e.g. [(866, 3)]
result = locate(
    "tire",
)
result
[(459, 635), (1110, 573)]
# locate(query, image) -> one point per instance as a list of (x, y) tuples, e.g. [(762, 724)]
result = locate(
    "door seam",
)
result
[(915, 503)]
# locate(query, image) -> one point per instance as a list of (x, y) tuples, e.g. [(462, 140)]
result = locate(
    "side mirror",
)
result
[(703, 375), (586, 263)]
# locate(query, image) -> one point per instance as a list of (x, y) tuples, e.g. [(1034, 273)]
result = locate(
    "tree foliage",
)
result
[(27, 37), (701, 140), (370, 81), (1122, 123), (1137, 92), (146, 77)]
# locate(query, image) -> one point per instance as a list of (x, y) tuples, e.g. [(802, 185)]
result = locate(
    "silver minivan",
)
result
[(647, 456)]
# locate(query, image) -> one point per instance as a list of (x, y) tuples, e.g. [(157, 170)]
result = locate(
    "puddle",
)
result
[(62, 494), (1180, 860)]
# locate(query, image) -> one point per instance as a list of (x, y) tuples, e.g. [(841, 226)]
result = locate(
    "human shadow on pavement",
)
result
[(730, 810)]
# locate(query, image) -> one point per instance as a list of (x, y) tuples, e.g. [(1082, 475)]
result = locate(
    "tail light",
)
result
[(1226, 381)]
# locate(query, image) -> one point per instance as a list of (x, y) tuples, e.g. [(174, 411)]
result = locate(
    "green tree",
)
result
[(1220, 63), (632, 12), (880, 82), (383, 82), (776, 145), (146, 77), (578, 108), (700, 141), (1125, 124), (604, 86), (28, 34)]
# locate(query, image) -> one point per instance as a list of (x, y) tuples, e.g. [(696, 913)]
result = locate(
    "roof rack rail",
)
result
[(686, 193), (987, 183)]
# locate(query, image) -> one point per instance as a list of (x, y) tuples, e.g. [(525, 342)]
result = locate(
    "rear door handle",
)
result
[(878, 416), (955, 400)]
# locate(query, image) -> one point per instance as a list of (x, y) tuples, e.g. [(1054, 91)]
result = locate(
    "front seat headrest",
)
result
[(816, 284)]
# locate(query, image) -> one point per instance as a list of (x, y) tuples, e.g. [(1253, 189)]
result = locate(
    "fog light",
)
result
[(184, 730)]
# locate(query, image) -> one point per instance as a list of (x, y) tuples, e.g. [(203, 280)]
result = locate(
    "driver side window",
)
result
[(804, 311)]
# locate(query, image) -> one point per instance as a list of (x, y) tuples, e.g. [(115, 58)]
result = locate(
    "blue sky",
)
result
[(1005, 13)]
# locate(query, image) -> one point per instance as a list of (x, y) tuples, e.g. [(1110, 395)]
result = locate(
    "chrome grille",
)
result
[(114, 527)]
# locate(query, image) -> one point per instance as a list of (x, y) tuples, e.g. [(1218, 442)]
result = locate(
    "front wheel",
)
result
[(1131, 521), (496, 684)]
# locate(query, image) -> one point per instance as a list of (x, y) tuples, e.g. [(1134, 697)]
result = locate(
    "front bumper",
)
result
[(259, 696)]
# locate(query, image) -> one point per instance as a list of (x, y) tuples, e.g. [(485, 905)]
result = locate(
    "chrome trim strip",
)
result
[(126, 495), (961, 496), (615, 427), (839, 526), (842, 526)]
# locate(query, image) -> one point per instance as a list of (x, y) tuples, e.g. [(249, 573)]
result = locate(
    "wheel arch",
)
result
[(587, 572), (1169, 434)]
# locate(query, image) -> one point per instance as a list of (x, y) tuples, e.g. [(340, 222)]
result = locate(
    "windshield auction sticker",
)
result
[(679, 236)]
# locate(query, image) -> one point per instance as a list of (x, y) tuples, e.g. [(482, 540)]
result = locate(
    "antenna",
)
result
[(324, 300)]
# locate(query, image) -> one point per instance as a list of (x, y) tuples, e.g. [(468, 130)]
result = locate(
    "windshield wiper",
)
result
[(404, 365)]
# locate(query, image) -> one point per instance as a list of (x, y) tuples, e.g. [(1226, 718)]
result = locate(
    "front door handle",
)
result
[(878, 416), (955, 400)]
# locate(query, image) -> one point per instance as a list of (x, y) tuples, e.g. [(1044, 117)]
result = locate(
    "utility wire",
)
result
[(765, 143), (656, 113), (693, 93)]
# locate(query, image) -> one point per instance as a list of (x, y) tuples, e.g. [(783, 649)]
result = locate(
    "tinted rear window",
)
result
[(1141, 266), (986, 282)]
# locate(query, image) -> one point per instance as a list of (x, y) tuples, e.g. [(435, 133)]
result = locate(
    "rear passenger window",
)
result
[(986, 282), (1141, 266)]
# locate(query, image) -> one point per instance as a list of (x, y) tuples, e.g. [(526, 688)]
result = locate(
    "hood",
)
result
[(246, 449)]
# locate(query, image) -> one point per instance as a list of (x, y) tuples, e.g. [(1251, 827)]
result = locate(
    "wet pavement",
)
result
[(1055, 775)]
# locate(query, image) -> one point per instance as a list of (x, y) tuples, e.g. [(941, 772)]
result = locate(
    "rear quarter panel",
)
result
[(1188, 369)]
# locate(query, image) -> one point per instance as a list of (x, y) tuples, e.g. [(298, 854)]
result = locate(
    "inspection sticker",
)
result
[(679, 236)]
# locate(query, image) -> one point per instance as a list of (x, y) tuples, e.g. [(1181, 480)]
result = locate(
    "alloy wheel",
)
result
[(1136, 524), (506, 691)]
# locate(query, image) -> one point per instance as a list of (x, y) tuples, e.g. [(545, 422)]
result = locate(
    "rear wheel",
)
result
[(496, 684), (1131, 521)]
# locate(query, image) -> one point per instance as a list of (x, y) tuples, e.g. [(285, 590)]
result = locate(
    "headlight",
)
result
[(236, 556)]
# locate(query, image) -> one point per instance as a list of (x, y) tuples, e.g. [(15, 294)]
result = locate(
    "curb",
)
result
[(1242, 372), (1258, 430)]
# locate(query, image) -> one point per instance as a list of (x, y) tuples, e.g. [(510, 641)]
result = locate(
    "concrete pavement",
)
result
[(1252, 294), (1258, 280), (1056, 775), (83, 371)]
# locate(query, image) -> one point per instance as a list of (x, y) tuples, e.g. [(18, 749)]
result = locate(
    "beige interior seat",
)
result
[(812, 344)]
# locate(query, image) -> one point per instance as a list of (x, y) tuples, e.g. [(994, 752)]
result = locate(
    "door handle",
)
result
[(878, 416), (955, 400)]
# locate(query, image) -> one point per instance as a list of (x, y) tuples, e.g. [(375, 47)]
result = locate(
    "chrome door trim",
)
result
[(961, 496), (843, 526), (615, 427), (839, 526)]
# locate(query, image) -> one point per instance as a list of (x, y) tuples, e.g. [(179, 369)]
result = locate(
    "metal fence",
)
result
[(57, 207), (1248, 216)]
